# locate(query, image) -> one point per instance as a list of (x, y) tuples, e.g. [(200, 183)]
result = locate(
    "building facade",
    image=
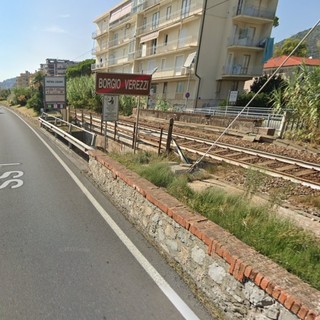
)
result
[(23, 80), (197, 50), (55, 67)]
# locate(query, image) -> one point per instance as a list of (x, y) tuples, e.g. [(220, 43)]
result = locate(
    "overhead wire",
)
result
[(192, 168)]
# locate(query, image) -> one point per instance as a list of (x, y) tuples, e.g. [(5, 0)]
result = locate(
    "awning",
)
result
[(190, 60), (150, 36), (123, 11)]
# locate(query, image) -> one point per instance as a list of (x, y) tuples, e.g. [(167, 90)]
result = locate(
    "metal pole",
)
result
[(105, 136), (137, 125)]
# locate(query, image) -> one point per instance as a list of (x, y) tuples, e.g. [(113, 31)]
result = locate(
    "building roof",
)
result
[(292, 61)]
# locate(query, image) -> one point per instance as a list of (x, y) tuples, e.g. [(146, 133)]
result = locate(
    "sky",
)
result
[(34, 30)]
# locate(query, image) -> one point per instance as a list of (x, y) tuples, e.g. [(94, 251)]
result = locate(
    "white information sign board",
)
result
[(110, 108)]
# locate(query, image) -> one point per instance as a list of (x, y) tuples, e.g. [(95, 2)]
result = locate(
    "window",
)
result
[(234, 86), (165, 88), (168, 13), (182, 37), (154, 46), (155, 20), (131, 47), (163, 64), (153, 89), (115, 39), (151, 66), (144, 23), (179, 64), (245, 65), (185, 8), (165, 40), (180, 87)]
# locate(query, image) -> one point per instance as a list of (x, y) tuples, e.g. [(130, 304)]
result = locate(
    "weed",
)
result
[(254, 180)]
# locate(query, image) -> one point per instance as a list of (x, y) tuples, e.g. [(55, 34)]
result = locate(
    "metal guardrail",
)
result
[(269, 117), (48, 121)]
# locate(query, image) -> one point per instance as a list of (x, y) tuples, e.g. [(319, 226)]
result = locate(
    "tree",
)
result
[(80, 69), (20, 95), (36, 99), (81, 93), (302, 97), (4, 94), (276, 82), (288, 47)]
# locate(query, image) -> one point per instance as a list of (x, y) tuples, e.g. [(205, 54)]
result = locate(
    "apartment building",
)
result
[(56, 67), (23, 80), (197, 50)]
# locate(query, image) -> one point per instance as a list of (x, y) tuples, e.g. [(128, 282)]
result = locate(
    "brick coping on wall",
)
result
[(245, 263)]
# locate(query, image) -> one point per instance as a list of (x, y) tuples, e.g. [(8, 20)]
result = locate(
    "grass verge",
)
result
[(258, 226)]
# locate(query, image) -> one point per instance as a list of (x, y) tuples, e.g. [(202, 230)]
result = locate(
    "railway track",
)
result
[(297, 171), (275, 165)]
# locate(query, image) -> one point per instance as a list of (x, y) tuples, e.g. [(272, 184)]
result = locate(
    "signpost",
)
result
[(123, 83), (55, 91), (113, 84), (110, 112)]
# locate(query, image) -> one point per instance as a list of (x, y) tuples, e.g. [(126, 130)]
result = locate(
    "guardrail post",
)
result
[(115, 131), (268, 121), (169, 138), (160, 140), (283, 125), (75, 115)]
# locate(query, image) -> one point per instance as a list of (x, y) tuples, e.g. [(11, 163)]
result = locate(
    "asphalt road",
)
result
[(59, 258)]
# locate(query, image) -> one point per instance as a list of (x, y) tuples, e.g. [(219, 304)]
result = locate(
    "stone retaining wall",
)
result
[(239, 282)]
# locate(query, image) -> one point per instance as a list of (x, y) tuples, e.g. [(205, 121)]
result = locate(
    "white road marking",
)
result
[(13, 182), (9, 164), (164, 286)]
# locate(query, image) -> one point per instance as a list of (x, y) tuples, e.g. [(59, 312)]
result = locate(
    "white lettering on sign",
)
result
[(136, 84), (13, 182), (108, 83)]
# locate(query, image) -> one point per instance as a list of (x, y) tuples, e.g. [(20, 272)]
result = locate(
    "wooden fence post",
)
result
[(169, 138), (160, 140)]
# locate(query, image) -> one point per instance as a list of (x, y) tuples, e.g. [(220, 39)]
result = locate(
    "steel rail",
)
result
[(253, 152)]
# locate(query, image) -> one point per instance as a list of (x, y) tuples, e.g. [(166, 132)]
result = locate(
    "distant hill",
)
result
[(8, 84), (313, 42)]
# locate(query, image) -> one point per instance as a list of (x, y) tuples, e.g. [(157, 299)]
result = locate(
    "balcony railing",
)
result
[(171, 46), (195, 7), (240, 70), (96, 66), (246, 42), (253, 11)]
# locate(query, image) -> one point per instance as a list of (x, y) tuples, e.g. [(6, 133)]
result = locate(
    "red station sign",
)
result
[(123, 83)]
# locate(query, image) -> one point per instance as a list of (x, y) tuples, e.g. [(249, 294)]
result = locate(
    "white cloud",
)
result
[(55, 29)]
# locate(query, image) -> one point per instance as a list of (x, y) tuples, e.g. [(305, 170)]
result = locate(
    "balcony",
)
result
[(238, 71), (172, 46), (97, 66), (98, 33), (252, 14), (245, 43), (176, 16)]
